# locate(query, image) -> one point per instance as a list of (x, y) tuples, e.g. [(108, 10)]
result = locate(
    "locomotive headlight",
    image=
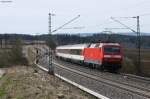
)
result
[(112, 56), (107, 56), (117, 56)]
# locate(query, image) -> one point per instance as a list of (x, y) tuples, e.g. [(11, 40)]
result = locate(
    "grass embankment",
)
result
[(28, 82), (22, 82), (130, 61)]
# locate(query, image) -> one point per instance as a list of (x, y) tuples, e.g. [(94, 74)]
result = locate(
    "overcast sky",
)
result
[(31, 16)]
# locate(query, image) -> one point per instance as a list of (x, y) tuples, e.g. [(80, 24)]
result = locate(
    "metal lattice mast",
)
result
[(138, 40), (51, 71), (139, 45)]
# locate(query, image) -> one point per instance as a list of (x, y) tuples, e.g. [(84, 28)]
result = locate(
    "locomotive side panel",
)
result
[(93, 55)]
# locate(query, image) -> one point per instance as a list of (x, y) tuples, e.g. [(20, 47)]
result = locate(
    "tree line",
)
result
[(64, 39)]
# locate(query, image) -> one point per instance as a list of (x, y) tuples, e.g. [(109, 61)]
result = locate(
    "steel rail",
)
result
[(143, 88), (127, 87), (136, 77)]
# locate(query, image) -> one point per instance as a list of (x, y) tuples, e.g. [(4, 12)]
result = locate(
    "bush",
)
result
[(128, 66), (5, 59), (13, 56)]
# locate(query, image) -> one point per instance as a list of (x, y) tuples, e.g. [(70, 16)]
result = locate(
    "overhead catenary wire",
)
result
[(6, 1), (114, 28), (51, 69), (138, 40), (123, 25), (65, 24), (74, 27), (141, 15)]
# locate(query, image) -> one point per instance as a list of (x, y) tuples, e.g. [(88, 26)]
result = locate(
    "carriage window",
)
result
[(75, 51), (70, 51), (78, 51)]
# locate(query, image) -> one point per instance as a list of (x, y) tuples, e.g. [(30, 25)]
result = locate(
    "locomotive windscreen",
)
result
[(111, 50)]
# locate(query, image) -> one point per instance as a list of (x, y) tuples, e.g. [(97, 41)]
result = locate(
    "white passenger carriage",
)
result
[(74, 52)]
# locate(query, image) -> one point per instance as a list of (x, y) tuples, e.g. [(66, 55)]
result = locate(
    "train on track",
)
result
[(105, 56)]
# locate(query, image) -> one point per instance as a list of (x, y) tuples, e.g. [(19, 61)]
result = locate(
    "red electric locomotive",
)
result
[(101, 55), (104, 55)]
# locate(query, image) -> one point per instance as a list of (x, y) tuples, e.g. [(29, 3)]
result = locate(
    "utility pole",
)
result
[(138, 46), (37, 51), (138, 61), (51, 69)]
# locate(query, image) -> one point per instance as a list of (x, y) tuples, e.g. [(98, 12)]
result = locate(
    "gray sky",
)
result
[(31, 16)]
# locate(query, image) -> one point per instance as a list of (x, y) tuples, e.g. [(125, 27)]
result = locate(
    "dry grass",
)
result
[(12, 56), (130, 61), (22, 82), (30, 54)]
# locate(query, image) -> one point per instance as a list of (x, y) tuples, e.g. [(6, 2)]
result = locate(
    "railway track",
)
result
[(125, 86), (134, 77), (134, 81), (139, 90)]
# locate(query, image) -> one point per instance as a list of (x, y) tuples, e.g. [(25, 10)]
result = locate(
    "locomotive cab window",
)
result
[(112, 50)]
